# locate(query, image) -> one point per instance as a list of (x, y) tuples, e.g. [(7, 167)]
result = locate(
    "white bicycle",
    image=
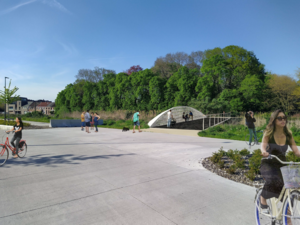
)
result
[(288, 212)]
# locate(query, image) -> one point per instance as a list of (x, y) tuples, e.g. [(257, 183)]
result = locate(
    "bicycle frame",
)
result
[(276, 213), (7, 145)]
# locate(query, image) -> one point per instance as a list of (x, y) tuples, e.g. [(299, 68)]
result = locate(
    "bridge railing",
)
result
[(217, 119)]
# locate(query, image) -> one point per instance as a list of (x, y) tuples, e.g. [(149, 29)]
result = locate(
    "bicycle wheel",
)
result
[(291, 217), (261, 218), (3, 155), (247, 138), (22, 151)]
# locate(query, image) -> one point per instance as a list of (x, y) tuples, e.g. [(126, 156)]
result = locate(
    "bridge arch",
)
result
[(177, 112)]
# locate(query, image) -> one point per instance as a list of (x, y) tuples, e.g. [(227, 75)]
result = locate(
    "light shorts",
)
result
[(137, 123)]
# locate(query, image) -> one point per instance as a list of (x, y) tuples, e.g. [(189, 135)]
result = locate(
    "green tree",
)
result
[(9, 96)]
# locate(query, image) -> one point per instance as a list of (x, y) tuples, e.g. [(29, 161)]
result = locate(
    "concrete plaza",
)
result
[(115, 177)]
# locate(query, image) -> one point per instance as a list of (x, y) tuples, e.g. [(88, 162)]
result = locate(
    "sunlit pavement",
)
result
[(115, 177)]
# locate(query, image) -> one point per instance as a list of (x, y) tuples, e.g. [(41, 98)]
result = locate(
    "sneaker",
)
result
[(264, 209)]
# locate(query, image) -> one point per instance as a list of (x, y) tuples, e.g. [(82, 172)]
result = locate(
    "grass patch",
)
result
[(11, 123), (238, 132)]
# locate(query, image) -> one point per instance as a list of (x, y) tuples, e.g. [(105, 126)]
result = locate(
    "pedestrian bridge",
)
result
[(200, 121)]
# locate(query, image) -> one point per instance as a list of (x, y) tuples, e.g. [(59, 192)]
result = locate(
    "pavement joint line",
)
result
[(84, 197)]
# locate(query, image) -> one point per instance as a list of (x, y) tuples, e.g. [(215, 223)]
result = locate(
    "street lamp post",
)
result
[(5, 99)]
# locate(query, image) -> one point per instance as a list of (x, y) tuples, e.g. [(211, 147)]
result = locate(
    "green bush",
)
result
[(251, 174), (291, 157), (239, 162), (11, 123), (232, 169), (216, 157), (244, 152), (221, 164), (230, 154), (255, 160)]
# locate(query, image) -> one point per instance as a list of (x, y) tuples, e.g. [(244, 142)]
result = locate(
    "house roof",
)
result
[(52, 104), (43, 104), (27, 105)]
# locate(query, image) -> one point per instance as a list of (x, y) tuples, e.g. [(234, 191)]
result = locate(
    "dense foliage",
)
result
[(213, 81)]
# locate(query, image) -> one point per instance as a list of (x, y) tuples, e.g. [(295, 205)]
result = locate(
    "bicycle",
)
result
[(259, 135), (289, 211), (4, 153)]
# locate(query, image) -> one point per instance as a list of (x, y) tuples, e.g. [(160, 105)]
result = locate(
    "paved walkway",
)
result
[(115, 177), (192, 133)]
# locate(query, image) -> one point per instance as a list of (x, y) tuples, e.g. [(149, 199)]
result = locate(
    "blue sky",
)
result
[(45, 42)]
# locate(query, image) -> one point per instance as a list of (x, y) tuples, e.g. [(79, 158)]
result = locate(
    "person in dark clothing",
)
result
[(250, 124), (18, 127), (277, 137)]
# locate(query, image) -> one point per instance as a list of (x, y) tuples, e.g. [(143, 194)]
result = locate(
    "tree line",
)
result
[(213, 81)]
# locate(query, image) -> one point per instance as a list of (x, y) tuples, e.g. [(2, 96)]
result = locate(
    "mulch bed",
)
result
[(238, 176)]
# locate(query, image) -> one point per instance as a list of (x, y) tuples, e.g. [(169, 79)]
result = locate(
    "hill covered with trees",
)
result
[(216, 80)]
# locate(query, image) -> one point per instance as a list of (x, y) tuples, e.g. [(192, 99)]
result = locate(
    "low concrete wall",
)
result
[(68, 123), (4, 127)]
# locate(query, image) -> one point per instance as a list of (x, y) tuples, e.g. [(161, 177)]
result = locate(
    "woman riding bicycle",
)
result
[(277, 138), (18, 127)]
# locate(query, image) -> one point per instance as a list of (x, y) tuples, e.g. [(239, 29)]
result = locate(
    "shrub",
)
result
[(232, 169), (251, 174), (244, 152), (230, 154), (11, 123), (255, 160), (239, 161), (216, 157), (221, 164), (291, 157)]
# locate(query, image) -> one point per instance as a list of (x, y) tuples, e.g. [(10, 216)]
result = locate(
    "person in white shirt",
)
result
[(170, 116)]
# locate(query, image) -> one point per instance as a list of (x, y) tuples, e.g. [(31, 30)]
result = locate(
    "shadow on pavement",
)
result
[(56, 160)]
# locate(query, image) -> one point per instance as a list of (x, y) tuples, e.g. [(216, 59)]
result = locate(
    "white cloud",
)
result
[(56, 4), (52, 3), (69, 49), (16, 7)]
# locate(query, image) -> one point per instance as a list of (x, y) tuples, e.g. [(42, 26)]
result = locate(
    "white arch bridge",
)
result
[(200, 121)]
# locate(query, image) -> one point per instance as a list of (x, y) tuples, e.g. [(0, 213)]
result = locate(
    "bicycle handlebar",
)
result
[(286, 163)]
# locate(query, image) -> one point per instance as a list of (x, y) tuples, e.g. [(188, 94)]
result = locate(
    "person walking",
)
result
[(170, 117), (96, 118), (87, 118), (250, 124), (82, 120), (18, 127), (92, 121), (136, 121)]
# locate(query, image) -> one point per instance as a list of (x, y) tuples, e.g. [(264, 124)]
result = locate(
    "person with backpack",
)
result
[(250, 120)]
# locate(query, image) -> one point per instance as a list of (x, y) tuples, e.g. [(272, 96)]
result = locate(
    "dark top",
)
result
[(19, 133), (250, 121), (191, 113), (278, 150), (95, 119)]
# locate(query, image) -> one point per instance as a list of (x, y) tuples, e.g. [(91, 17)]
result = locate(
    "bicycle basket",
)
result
[(291, 176)]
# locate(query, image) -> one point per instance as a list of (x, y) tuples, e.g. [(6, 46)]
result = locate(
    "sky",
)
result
[(43, 43)]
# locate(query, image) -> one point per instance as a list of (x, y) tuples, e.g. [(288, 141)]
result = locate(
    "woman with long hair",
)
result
[(18, 127), (277, 137)]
